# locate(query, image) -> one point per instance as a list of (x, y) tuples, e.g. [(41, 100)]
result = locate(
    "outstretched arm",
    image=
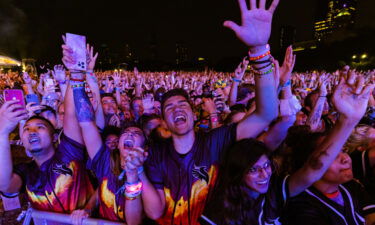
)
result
[(11, 114), (83, 113), (238, 75), (255, 32), (350, 99)]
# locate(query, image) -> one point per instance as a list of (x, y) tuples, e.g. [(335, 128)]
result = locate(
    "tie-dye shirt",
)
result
[(188, 179), (111, 196), (61, 184)]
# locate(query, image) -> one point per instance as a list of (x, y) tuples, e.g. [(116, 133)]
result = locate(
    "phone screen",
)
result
[(78, 44), (15, 94)]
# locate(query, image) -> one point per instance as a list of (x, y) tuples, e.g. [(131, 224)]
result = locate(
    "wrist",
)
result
[(347, 122), (254, 50)]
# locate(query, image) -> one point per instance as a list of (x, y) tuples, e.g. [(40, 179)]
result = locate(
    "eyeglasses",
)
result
[(258, 169)]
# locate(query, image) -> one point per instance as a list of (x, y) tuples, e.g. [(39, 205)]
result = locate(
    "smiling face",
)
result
[(178, 115), (109, 105), (37, 137), (259, 175), (130, 138)]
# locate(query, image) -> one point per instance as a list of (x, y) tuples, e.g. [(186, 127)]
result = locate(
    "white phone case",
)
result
[(78, 44)]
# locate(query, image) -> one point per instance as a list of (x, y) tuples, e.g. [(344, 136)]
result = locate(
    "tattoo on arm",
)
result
[(315, 160), (317, 115), (84, 109)]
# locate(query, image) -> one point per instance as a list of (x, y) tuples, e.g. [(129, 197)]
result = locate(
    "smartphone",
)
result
[(49, 84), (34, 99), (78, 44), (15, 94)]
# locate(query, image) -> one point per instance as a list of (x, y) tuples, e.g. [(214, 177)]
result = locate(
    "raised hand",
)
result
[(209, 105), (90, 57), (351, 96), (241, 69), (11, 113), (116, 79), (255, 29), (58, 73), (287, 68), (31, 107)]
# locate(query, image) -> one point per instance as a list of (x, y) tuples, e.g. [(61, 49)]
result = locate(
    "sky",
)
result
[(34, 28)]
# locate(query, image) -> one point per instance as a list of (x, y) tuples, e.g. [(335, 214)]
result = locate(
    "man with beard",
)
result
[(56, 180)]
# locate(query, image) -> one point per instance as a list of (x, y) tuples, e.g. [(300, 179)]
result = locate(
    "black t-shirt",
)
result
[(188, 179), (266, 208), (311, 207), (362, 171)]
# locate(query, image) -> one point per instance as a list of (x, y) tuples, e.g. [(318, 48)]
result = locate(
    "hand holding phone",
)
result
[(77, 43), (15, 94)]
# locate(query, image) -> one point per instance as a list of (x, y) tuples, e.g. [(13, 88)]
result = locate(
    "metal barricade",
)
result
[(51, 218)]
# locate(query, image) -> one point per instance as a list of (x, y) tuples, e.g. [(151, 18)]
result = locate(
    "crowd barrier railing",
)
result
[(51, 218)]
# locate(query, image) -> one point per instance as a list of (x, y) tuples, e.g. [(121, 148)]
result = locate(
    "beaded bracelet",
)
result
[(78, 85), (260, 56), (263, 67), (264, 73), (260, 62), (132, 198)]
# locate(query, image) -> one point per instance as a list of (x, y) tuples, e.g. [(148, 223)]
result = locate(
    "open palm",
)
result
[(351, 98), (256, 23)]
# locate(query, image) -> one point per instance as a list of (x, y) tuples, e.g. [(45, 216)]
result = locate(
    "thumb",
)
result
[(232, 25)]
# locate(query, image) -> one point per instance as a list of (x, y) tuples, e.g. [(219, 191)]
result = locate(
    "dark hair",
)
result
[(159, 94), (308, 102), (230, 199), (110, 130), (145, 118), (37, 117), (46, 109), (172, 93), (107, 95), (301, 142)]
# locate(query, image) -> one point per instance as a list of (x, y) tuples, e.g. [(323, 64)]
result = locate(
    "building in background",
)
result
[(340, 14), (287, 36)]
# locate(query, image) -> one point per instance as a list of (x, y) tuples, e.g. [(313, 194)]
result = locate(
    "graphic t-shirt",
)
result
[(61, 184), (188, 179), (111, 189)]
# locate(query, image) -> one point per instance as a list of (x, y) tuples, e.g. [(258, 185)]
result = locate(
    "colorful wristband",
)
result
[(236, 80), (260, 56)]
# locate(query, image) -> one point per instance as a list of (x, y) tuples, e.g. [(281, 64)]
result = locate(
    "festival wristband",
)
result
[(286, 84), (62, 82), (260, 56), (236, 80)]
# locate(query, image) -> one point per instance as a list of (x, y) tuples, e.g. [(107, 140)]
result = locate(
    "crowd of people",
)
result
[(261, 145)]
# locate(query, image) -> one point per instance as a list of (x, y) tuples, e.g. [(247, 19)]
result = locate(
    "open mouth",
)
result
[(128, 143), (262, 182), (179, 119), (35, 150), (34, 140)]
